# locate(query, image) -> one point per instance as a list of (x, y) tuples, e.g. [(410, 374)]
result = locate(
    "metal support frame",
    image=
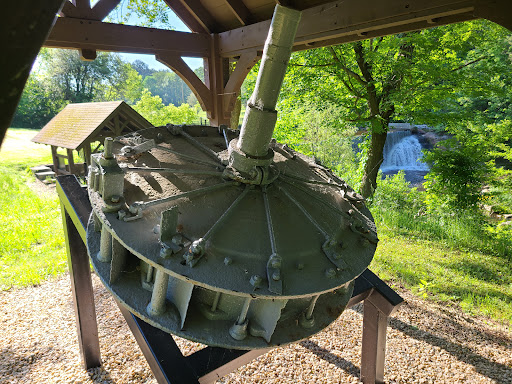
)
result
[(159, 348)]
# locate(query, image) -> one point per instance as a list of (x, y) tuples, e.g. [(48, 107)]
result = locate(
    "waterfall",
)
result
[(403, 153)]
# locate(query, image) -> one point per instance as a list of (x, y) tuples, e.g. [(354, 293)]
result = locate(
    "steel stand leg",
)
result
[(83, 298), (374, 344)]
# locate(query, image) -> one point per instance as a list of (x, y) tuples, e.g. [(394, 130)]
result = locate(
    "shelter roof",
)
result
[(79, 123)]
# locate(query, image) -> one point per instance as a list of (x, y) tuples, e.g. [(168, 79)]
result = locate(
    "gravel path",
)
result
[(427, 343)]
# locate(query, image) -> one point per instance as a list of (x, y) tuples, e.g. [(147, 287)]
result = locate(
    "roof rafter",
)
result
[(103, 7), (241, 12), (192, 18)]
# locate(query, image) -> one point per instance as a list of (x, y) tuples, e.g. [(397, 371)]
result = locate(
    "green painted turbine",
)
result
[(245, 247)]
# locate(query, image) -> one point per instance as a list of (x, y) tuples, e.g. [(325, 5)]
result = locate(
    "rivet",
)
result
[(300, 266), (228, 260), (330, 273), (350, 212)]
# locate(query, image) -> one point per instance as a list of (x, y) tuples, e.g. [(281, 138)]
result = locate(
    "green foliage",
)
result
[(168, 86), (457, 174), (152, 108)]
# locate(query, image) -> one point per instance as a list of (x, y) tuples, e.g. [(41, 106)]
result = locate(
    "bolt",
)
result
[(275, 262), (330, 273), (256, 281), (228, 260), (115, 199), (350, 212), (276, 276), (300, 266)]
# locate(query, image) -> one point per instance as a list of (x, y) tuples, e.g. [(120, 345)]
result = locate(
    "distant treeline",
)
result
[(60, 78)]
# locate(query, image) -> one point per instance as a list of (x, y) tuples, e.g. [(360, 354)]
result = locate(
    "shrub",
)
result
[(457, 173)]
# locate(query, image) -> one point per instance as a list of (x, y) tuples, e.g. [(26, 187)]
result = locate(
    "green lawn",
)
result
[(31, 242), (32, 246), (480, 283)]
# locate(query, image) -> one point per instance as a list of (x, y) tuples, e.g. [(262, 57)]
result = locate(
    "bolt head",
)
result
[(228, 261), (276, 276), (330, 273), (256, 280), (115, 199)]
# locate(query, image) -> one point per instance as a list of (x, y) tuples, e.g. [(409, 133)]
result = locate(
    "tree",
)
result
[(157, 113), (169, 86), (401, 76), (78, 81)]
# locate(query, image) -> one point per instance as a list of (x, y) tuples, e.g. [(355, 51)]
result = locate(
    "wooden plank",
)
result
[(89, 34), (103, 7), (350, 17), (69, 10), (186, 16), (201, 14), (241, 12)]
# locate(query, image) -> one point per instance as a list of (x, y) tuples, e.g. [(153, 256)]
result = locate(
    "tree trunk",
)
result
[(375, 157)]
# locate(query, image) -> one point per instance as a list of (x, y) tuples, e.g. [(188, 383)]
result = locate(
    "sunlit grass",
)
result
[(480, 283), (31, 242)]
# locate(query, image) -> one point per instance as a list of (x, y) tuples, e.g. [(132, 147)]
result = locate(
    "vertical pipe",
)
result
[(157, 305), (105, 254), (260, 116), (215, 301), (107, 148), (245, 310), (311, 308)]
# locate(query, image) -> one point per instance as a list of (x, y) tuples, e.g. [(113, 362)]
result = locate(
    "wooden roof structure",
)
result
[(79, 124), (222, 31)]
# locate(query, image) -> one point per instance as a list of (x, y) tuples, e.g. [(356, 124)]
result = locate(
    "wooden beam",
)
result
[(69, 10), (241, 12), (25, 25), (217, 69), (363, 35), (181, 68), (95, 35), (201, 14), (103, 7), (82, 4), (340, 19), (498, 11), (186, 16), (237, 77)]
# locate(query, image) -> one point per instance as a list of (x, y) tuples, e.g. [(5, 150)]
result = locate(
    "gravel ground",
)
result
[(426, 343)]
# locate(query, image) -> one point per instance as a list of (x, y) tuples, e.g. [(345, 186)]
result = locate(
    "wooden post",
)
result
[(55, 160), (71, 161), (87, 153)]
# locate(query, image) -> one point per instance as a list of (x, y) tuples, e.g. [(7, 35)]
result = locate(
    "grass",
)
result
[(32, 244), (480, 283)]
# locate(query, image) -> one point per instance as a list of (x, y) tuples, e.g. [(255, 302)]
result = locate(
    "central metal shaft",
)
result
[(260, 115)]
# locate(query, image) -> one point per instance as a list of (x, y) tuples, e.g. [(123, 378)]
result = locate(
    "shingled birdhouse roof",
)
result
[(82, 123)]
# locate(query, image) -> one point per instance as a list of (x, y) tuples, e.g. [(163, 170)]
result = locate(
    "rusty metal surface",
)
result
[(77, 123)]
